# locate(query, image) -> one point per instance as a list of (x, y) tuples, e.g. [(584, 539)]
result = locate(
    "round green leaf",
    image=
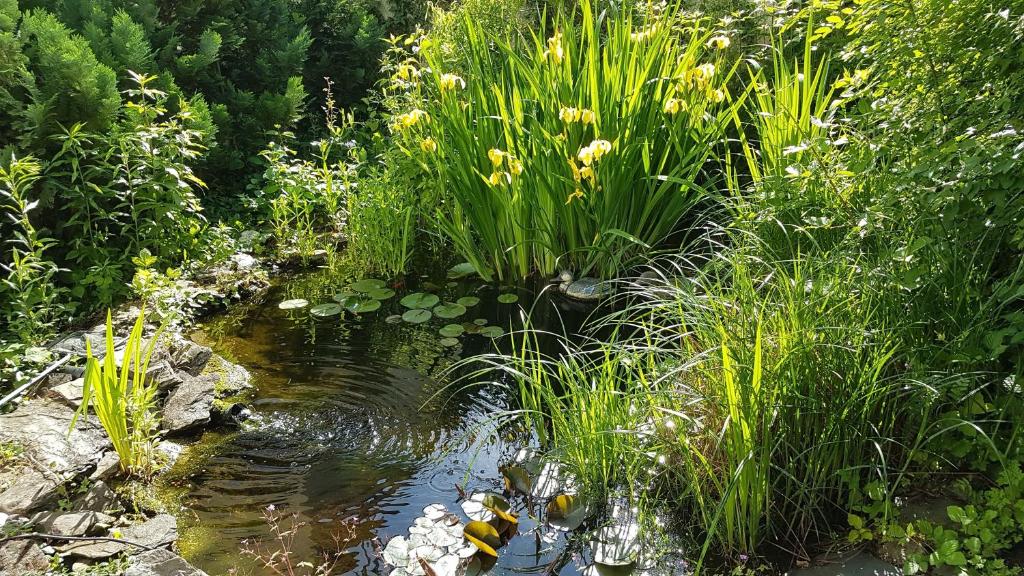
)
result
[(449, 310), (468, 301), (508, 298), (449, 342), (381, 293), (480, 321), (420, 300), (325, 310), (451, 330), (293, 304), (343, 296), (367, 284), (416, 316), (462, 270), (492, 332), (361, 305)]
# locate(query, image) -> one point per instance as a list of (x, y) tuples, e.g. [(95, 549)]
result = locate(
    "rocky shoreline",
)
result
[(60, 507)]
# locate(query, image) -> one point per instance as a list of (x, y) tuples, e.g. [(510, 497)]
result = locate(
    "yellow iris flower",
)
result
[(428, 145), (719, 42), (451, 81)]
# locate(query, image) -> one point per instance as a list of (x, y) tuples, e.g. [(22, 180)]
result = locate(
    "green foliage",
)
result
[(27, 287), (586, 148), (123, 398)]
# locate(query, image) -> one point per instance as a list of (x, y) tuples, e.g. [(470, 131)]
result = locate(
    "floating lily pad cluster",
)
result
[(367, 295), (439, 544)]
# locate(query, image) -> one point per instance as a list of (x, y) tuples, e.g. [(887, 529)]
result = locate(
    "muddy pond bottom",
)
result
[(352, 432)]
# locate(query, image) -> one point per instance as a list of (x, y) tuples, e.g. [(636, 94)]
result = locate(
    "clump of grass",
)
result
[(123, 398), (583, 146), (10, 454)]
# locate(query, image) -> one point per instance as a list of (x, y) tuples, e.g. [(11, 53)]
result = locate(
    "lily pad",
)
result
[(517, 478), (416, 316), (483, 536), (463, 270), (380, 293), (344, 296), (420, 300), (451, 330), (367, 284), (492, 332), (449, 310), (393, 319), (293, 304), (471, 328), (449, 342), (508, 298), (325, 310), (567, 511), (361, 305), (480, 321), (468, 301)]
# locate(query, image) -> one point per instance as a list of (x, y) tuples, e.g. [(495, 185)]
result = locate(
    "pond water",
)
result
[(352, 426)]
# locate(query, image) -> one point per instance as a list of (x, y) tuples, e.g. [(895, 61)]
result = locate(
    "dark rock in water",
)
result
[(159, 531), (589, 290), (234, 414), (191, 404), (22, 557), (161, 562)]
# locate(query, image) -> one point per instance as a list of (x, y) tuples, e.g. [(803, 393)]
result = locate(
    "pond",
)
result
[(353, 427)]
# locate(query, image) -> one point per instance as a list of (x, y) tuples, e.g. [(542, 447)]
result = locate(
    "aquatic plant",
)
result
[(124, 397), (621, 114)]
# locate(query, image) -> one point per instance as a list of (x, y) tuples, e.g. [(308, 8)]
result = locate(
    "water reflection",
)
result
[(350, 421)]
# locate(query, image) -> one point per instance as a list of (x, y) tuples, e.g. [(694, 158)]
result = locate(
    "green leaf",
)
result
[(293, 304), (508, 298), (420, 300), (417, 316), (325, 310), (449, 310), (856, 522), (367, 284), (468, 301)]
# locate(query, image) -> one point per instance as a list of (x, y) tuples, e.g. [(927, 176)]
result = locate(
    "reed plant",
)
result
[(123, 398), (581, 147)]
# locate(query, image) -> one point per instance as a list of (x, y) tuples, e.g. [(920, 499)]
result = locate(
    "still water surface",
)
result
[(351, 421)]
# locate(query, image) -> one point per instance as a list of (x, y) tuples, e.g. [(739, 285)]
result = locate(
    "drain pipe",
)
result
[(46, 372)]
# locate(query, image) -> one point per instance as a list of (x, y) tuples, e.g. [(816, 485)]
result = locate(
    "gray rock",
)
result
[(98, 498), (71, 523), (42, 427), (159, 531), (69, 393), (232, 379), (857, 564), (242, 261), (589, 289), (161, 562), (190, 405), (184, 354), (74, 343), (22, 557), (30, 490), (108, 467)]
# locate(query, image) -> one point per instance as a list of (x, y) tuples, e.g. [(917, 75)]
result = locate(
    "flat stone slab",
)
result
[(232, 379), (161, 562), (99, 498), (70, 523), (69, 393), (22, 557), (27, 490), (859, 564), (159, 531), (41, 426), (190, 405)]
